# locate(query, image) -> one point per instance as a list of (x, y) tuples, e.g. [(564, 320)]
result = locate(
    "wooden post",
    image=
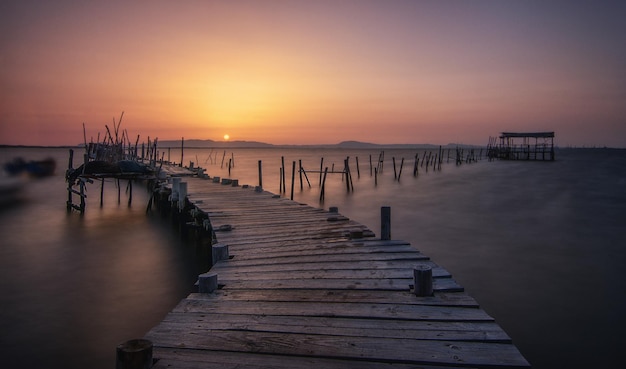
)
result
[(385, 223), (260, 175), (400, 172), (321, 169), (323, 184), (370, 165), (175, 187), (182, 194), (415, 165), (293, 176), (376, 176), (70, 164), (358, 171), (82, 196), (395, 173), (345, 170), (282, 160), (182, 147), (300, 173), (207, 282), (134, 354), (219, 252), (101, 192), (423, 280), (130, 193)]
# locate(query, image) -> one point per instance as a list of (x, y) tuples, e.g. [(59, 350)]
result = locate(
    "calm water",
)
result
[(541, 246)]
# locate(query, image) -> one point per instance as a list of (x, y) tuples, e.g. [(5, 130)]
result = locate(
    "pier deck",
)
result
[(299, 292)]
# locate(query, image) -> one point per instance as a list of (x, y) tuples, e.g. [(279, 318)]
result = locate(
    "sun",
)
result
[(226, 137)]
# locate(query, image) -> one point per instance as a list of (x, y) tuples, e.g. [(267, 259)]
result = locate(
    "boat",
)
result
[(35, 168)]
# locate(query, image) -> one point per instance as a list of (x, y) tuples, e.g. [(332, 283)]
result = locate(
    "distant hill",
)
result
[(196, 143)]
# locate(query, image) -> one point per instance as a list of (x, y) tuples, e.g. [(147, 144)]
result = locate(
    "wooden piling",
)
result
[(423, 280), (293, 176), (207, 282), (282, 160), (385, 223), (321, 170), (395, 174), (134, 354), (300, 173), (323, 184), (182, 150), (260, 175)]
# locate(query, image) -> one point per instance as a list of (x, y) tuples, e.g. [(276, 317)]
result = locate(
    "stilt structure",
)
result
[(520, 146)]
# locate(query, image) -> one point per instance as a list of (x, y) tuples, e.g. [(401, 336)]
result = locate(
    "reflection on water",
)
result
[(539, 245)]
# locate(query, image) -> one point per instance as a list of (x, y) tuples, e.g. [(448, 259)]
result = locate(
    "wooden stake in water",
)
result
[(260, 175), (293, 176), (385, 223), (282, 160), (321, 169), (182, 149), (300, 173), (323, 184)]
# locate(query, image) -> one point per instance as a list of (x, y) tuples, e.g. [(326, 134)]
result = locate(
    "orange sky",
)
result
[(307, 72)]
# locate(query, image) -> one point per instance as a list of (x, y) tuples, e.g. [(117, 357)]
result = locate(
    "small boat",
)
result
[(35, 168)]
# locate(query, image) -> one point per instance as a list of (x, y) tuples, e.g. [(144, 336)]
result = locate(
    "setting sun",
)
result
[(226, 137)]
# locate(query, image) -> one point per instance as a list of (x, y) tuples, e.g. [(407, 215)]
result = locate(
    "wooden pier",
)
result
[(302, 287)]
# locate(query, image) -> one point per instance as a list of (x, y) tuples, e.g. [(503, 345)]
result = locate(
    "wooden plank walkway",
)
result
[(298, 292)]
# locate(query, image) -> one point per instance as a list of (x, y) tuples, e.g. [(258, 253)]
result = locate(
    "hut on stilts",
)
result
[(522, 146)]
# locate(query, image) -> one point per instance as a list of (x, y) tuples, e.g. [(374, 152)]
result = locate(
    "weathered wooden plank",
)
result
[(321, 251), (278, 273), (362, 348), (179, 358), (354, 296), (333, 309), (337, 265), (330, 258), (387, 284), (200, 323)]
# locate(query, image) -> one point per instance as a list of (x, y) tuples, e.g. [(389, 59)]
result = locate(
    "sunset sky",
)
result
[(313, 72)]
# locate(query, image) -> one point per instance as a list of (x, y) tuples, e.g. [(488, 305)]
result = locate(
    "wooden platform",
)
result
[(298, 292)]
